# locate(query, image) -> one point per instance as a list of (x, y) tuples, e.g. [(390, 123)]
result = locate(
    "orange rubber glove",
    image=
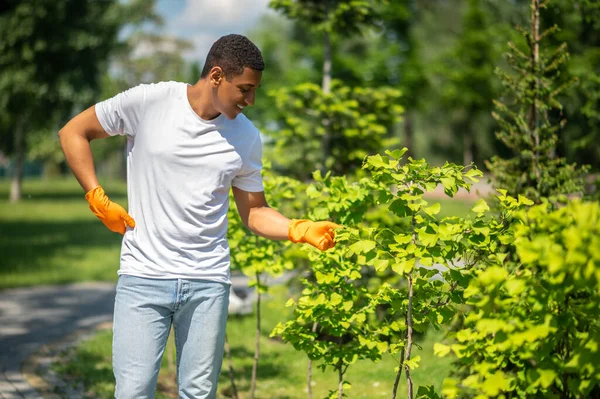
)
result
[(112, 215), (320, 235)]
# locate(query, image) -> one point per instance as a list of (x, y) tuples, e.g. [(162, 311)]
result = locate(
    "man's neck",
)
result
[(200, 98)]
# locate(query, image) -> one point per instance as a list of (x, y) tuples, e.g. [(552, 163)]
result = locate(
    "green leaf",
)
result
[(413, 363), (377, 161), (428, 239), (492, 275), (433, 209), (396, 154), (514, 287), (473, 174), (348, 305), (480, 207), (361, 247), (402, 238), (326, 278), (449, 183), (524, 200), (335, 299), (312, 192), (404, 266), (502, 193), (496, 383), (427, 392), (547, 377), (381, 264), (440, 350)]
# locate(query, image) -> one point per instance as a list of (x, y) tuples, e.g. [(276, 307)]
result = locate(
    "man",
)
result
[(187, 145)]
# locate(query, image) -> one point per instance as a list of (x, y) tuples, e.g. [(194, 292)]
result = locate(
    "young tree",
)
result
[(535, 170), (579, 22), (330, 17)]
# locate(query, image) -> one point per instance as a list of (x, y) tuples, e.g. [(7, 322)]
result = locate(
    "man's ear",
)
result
[(216, 76)]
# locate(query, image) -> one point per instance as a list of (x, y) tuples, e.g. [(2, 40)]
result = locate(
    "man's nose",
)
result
[(250, 97)]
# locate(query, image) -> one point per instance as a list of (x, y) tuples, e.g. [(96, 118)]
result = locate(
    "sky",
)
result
[(204, 21)]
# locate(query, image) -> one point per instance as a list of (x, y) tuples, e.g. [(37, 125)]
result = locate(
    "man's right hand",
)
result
[(111, 214)]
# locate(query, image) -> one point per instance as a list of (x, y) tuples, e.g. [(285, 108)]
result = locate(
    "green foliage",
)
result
[(580, 30), (339, 16), (52, 54), (359, 317), (533, 325), (359, 121), (535, 170)]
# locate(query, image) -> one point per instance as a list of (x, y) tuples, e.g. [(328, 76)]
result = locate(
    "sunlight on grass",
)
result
[(51, 237)]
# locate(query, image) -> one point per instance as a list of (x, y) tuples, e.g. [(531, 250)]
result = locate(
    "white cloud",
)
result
[(204, 21)]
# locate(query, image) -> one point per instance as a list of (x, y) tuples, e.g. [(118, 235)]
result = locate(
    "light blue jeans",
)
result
[(145, 309)]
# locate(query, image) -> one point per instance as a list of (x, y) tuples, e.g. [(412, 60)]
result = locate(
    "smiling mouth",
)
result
[(241, 107)]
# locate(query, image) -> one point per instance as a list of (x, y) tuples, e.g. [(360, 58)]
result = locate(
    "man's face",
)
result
[(231, 96)]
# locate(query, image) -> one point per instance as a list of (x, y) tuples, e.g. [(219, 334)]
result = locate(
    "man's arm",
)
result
[(269, 223), (75, 139), (258, 217)]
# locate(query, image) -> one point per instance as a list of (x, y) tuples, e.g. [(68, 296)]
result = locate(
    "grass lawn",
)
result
[(282, 370), (52, 237)]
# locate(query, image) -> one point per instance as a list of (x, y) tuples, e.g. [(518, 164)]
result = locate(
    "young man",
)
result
[(187, 145)]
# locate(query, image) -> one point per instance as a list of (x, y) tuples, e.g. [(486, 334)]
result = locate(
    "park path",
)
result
[(33, 317)]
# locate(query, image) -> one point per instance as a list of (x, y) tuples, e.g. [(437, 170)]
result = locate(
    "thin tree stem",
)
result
[(309, 382), (398, 374), (340, 381), (257, 345), (409, 324)]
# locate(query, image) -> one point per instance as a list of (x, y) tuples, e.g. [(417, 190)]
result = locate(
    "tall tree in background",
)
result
[(399, 19), (469, 71), (51, 56), (535, 170), (580, 30), (340, 17)]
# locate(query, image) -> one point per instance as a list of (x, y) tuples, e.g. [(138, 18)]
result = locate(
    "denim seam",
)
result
[(177, 357)]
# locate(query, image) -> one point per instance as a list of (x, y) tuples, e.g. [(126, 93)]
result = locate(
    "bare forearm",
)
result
[(267, 222), (78, 154)]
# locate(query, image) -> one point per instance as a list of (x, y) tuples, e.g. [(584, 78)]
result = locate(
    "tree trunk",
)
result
[(17, 180), (326, 84), (409, 133), (326, 87), (257, 341), (234, 393), (467, 147), (534, 62)]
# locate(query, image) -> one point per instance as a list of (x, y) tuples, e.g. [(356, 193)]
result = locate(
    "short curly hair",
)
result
[(233, 53)]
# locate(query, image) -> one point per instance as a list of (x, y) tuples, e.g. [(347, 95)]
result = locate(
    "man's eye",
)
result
[(244, 90)]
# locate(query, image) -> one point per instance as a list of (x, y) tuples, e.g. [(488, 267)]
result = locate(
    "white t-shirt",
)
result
[(179, 172)]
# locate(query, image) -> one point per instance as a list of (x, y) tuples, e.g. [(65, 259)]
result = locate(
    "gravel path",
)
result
[(32, 317)]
